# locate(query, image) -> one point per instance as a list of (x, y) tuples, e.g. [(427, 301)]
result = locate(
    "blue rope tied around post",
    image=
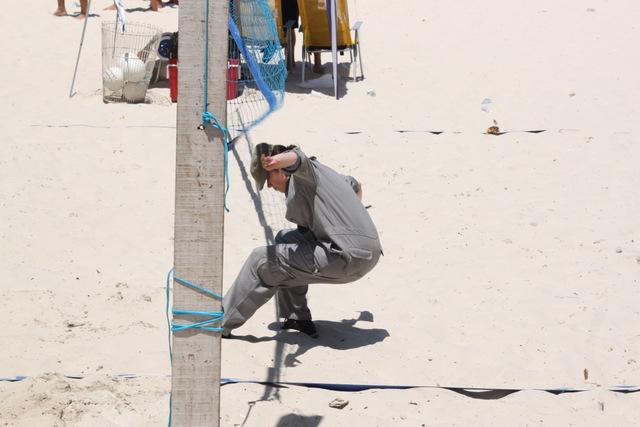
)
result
[(207, 117), (211, 317)]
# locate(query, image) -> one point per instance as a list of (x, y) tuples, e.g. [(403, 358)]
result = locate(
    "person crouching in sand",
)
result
[(335, 242)]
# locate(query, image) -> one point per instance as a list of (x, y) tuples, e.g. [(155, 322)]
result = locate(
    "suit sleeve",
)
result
[(303, 169)]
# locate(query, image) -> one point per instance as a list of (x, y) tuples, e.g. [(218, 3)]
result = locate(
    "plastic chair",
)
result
[(284, 31), (317, 32)]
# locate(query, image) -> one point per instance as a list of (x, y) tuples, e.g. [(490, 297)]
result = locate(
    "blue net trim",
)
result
[(258, 87)]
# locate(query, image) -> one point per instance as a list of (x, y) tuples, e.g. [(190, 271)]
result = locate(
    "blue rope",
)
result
[(207, 117), (210, 316)]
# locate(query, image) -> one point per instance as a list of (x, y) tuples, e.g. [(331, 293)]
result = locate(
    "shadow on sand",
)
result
[(342, 335), (321, 83), (296, 420)]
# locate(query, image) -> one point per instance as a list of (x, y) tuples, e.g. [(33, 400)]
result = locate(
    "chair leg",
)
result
[(358, 54), (353, 61), (304, 61), (360, 62), (287, 49), (290, 60)]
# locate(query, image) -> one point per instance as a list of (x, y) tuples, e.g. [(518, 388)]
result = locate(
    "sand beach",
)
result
[(511, 261)]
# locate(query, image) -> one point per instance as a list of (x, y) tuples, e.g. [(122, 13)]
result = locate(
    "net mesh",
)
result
[(257, 70), (270, 205)]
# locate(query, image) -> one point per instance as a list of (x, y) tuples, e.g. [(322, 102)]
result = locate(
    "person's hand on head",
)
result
[(269, 163)]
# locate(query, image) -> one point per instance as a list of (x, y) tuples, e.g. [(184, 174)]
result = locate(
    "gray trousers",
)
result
[(296, 260)]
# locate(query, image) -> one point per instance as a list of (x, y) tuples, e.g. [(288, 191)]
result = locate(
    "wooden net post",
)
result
[(199, 211)]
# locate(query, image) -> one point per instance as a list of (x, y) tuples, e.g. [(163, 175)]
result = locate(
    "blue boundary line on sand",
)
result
[(364, 387)]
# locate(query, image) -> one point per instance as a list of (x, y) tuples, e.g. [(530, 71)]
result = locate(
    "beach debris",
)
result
[(70, 324), (618, 250), (493, 130), (338, 403), (485, 105), (316, 94), (371, 92)]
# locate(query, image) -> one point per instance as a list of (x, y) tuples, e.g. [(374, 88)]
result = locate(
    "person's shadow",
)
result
[(342, 335)]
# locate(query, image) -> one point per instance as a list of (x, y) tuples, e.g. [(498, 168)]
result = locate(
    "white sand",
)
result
[(510, 261)]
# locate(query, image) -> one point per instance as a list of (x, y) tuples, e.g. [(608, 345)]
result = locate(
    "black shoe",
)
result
[(305, 326)]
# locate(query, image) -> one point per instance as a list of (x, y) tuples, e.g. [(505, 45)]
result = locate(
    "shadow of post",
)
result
[(273, 372), (269, 236)]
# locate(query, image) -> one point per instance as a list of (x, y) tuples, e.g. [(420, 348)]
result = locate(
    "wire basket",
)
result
[(128, 59)]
